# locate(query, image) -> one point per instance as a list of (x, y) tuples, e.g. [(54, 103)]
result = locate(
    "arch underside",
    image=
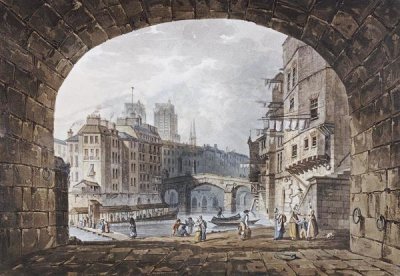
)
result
[(41, 41)]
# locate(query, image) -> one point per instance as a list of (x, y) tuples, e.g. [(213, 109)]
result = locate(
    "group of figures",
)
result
[(104, 226), (185, 229), (86, 222), (306, 228)]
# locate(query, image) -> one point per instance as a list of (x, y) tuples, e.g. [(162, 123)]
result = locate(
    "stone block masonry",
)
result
[(40, 41)]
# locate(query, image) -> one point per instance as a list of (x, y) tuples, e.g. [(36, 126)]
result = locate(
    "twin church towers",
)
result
[(165, 120)]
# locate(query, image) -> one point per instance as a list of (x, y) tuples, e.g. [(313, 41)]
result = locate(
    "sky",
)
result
[(211, 70)]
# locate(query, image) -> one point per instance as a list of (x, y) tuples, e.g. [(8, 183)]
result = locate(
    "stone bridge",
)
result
[(184, 185)]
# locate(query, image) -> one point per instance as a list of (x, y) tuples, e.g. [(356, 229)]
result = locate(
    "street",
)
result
[(222, 254)]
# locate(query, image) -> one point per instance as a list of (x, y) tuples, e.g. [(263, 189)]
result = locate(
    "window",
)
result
[(96, 139), (291, 104), (76, 160), (76, 176), (70, 147), (280, 162), (91, 139), (306, 144), (314, 109), (314, 141), (86, 153), (85, 139), (76, 147), (294, 151), (280, 141), (293, 76), (91, 170), (97, 152), (288, 82)]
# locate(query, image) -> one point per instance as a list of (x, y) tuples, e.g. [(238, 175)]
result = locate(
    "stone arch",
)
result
[(171, 197), (238, 195), (41, 41)]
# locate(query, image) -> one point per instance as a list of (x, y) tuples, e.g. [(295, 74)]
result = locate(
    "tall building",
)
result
[(305, 148), (135, 110), (166, 121)]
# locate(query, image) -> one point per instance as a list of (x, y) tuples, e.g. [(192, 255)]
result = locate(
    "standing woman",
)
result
[(280, 220), (312, 230), (293, 226), (132, 228), (197, 233)]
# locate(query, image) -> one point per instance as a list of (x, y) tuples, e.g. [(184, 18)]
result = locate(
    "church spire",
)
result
[(192, 137)]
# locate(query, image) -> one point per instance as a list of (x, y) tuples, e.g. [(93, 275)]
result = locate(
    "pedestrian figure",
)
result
[(280, 220), (303, 224), (203, 226), (190, 224), (312, 229), (219, 214), (293, 226), (197, 233), (182, 232), (103, 226), (106, 227), (175, 227), (244, 225), (132, 228)]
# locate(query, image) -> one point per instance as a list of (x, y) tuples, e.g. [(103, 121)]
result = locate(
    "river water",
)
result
[(164, 227)]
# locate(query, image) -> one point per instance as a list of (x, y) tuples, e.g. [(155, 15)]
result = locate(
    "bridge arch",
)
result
[(208, 196), (42, 40), (171, 197), (243, 198)]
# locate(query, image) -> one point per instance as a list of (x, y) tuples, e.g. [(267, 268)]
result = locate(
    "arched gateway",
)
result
[(41, 41)]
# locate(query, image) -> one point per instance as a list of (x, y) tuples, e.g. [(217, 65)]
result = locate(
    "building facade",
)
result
[(305, 147), (166, 121), (114, 164), (60, 149), (180, 159)]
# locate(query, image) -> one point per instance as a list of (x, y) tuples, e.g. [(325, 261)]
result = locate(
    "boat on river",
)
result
[(230, 221)]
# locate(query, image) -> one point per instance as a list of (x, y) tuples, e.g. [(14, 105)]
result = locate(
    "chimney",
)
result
[(70, 133)]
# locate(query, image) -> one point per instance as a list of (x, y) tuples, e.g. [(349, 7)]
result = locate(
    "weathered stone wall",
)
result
[(333, 202), (40, 41), (329, 198)]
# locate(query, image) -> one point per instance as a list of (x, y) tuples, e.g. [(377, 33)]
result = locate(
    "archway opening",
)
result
[(209, 199), (361, 51)]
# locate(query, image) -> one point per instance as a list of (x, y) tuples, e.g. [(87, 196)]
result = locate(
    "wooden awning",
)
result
[(308, 163)]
